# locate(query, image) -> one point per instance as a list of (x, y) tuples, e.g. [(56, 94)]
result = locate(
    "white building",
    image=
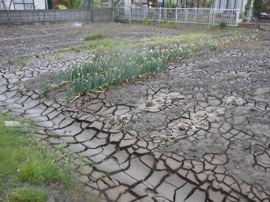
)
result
[(25, 4), (217, 4)]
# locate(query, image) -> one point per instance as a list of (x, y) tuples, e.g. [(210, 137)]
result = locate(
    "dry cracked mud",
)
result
[(198, 131)]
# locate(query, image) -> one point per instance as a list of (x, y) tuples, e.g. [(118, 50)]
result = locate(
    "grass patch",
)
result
[(100, 44), (89, 37), (29, 194), (158, 40), (25, 161)]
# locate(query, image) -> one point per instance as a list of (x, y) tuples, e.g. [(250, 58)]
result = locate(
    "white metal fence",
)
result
[(186, 15)]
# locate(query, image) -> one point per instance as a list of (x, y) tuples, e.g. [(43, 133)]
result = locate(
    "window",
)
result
[(24, 5)]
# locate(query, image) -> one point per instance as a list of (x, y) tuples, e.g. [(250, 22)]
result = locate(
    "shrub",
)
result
[(222, 25), (258, 7)]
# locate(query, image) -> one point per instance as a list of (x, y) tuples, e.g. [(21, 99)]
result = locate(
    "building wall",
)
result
[(26, 5), (231, 4)]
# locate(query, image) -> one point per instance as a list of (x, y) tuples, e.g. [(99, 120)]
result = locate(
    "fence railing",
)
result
[(186, 15)]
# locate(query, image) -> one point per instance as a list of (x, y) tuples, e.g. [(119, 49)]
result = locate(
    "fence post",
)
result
[(195, 16), (237, 17), (159, 13), (186, 14), (210, 16), (130, 12), (176, 15)]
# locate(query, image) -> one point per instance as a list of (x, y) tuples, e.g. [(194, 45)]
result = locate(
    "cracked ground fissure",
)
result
[(198, 131)]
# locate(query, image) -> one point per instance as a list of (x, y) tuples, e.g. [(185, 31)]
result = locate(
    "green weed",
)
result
[(19, 89), (222, 25), (94, 36), (29, 194), (25, 161), (59, 56), (144, 21)]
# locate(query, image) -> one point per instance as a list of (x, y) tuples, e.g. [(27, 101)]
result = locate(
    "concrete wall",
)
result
[(56, 15)]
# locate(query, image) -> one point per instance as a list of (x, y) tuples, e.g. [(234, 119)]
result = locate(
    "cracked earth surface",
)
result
[(198, 131)]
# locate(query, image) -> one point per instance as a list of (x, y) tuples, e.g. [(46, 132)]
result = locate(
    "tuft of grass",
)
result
[(94, 36), (145, 21), (222, 25), (211, 27), (29, 194), (19, 89)]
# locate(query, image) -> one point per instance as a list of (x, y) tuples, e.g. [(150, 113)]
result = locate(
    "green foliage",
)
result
[(94, 36), (19, 89), (211, 27), (61, 6), (170, 4), (114, 3), (247, 7), (74, 4), (18, 61), (222, 25), (24, 161), (241, 16), (114, 66), (144, 21), (29, 194), (258, 7), (207, 4)]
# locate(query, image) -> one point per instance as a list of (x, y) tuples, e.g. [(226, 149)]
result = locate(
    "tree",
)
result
[(7, 8), (74, 4), (258, 7)]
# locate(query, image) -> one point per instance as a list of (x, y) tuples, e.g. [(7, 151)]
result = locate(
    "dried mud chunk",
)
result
[(201, 114), (235, 101), (149, 103), (239, 101), (175, 96), (183, 126), (113, 120)]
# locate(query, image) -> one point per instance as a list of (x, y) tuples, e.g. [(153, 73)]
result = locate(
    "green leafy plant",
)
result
[(19, 89), (145, 21), (247, 7), (61, 6), (120, 65), (223, 25), (74, 4), (258, 7)]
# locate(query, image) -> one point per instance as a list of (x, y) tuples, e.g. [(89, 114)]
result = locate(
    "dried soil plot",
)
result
[(198, 131)]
